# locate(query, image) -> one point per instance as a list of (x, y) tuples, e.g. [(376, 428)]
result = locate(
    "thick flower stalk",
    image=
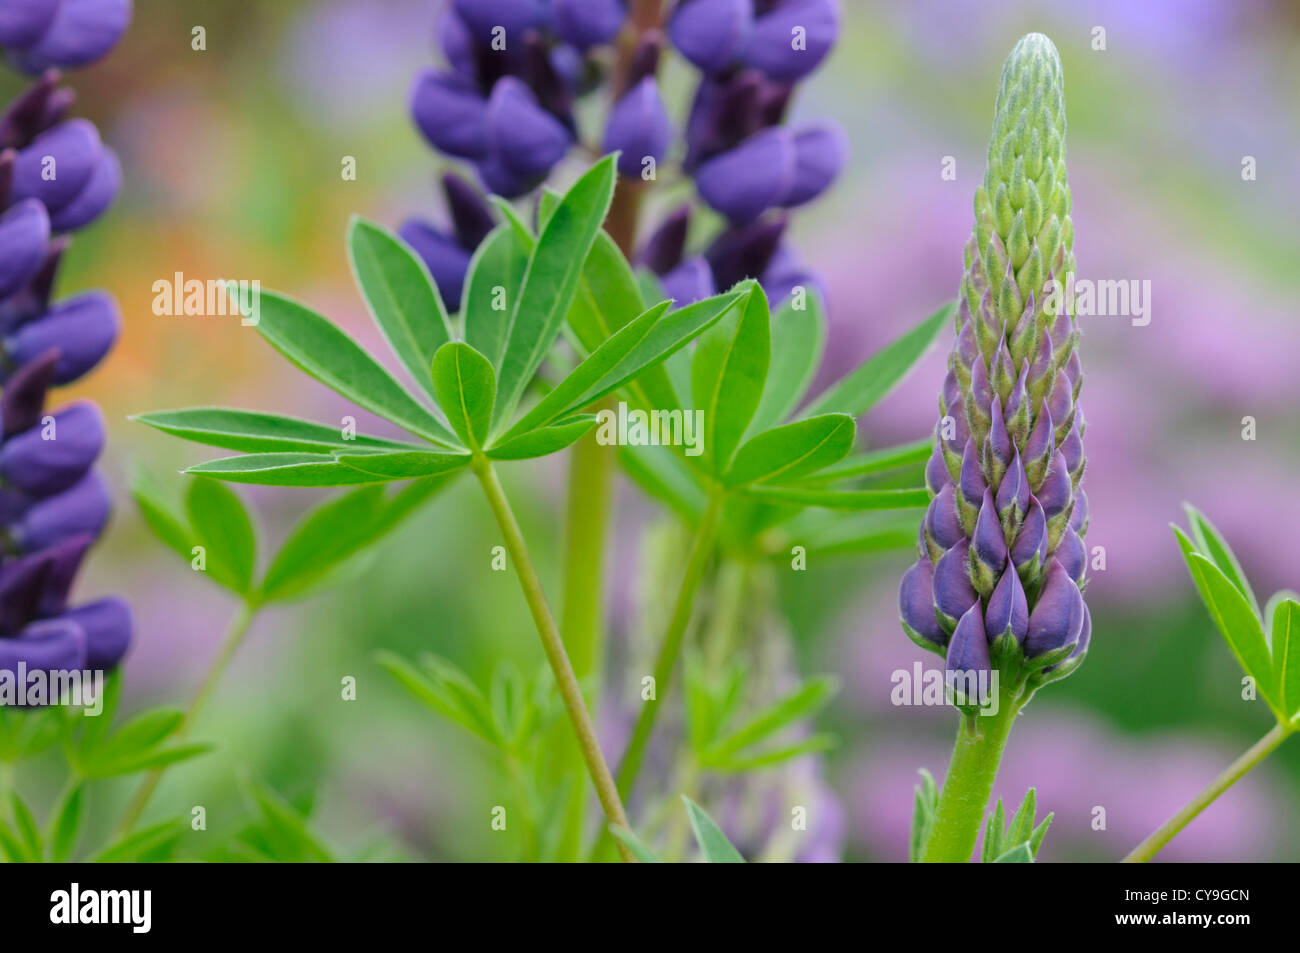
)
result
[(999, 581), (56, 176)]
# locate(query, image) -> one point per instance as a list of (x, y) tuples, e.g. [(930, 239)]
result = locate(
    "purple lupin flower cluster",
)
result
[(55, 176), (1001, 569), (506, 104)]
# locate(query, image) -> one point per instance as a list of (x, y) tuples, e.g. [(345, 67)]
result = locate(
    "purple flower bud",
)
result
[(988, 546), (663, 250), (1008, 609), (1057, 616), (107, 627), (1013, 493), (1056, 491), (97, 195), (515, 16), (936, 472), (82, 328), (24, 234), (1000, 448), (689, 282), (1071, 554), (785, 273), (820, 153), (745, 251), (81, 32), (61, 562), (916, 604), (712, 33), (942, 523), (451, 113), (968, 651), (973, 484), (953, 592), (53, 645), (24, 397), (23, 22), (470, 217), (588, 23), (446, 260), (1039, 446), (1072, 449), (22, 586), (456, 43), (525, 138), (1030, 547), (71, 150), (81, 509), (755, 176), (638, 128), (48, 459), (1079, 515), (791, 41)]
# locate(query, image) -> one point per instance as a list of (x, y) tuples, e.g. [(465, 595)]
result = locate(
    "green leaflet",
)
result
[(734, 751), (161, 516), (608, 296), (924, 808), (448, 691), (282, 829), (283, 469), (1286, 655), (859, 391), (843, 499), (221, 525), (727, 376), (66, 823), (544, 441), (326, 353), (665, 476), (466, 387), (138, 745), (875, 461), (640, 850), (401, 295), (1211, 544), (252, 431), (404, 464), (1018, 840), (713, 843), (152, 843), (551, 280), (492, 283), (786, 453), (798, 337)]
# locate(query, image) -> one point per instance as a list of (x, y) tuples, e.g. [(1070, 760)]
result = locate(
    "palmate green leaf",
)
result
[(551, 280), (790, 451), (326, 353), (1211, 544), (1286, 655), (713, 843), (492, 283), (1239, 625), (918, 498), (727, 376), (544, 441), (798, 338), (404, 464), (284, 469), (640, 850), (65, 824), (223, 527), (153, 843), (466, 387), (858, 392), (401, 295), (251, 431)]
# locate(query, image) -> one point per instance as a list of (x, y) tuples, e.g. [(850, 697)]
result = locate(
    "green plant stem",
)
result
[(553, 646), (701, 549), (234, 638), (1230, 776), (968, 784), (6, 788)]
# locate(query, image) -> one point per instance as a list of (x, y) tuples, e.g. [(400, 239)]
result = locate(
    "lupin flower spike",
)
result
[(1004, 534)]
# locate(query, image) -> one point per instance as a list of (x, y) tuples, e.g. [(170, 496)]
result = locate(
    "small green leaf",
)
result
[(778, 716), (1020, 854), (874, 462), (727, 376), (290, 838), (798, 337), (224, 529), (251, 431), (545, 440), (713, 843), (790, 451), (284, 469), (994, 834), (147, 844), (923, 812), (466, 386), (1238, 623), (633, 843), (663, 475), (740, 764), (167, 523), (492, 283), (1213, 546), (1022, 823), (401, 295), (551, 280), (843, 499), (446, 690), (860, 390), (25, 827), (65, 827), (608, 296), (404, 464), (329, 355), (1286, 655)]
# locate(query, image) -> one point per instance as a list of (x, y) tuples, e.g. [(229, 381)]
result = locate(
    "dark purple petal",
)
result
[(638, 128), (1056, 491), (23, 22), (450, 112), (916, 603), (526, 138), (63, 561), (689, 282), (792, 40), (82, 328), (588, 23), (24, 234), (999, 441), (973, 483), (22, 587), (755, 176), (101, 188), (501, 180), (663, 250), (54, 645), (446, 260), (1041, 441), (820, 153), (107, 626), (988, 546), (81, 509), (712, 33), (1057, 616), (953, 592), (47, 459), (69, 153), (936, 472), (784, 273), (1007, 608), (24, 395), (968, 651), (745, 251), (941, 519), (516, 16), (1013, 492), (82, 31), (470, 216), (456, 43), (1031, 541)]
